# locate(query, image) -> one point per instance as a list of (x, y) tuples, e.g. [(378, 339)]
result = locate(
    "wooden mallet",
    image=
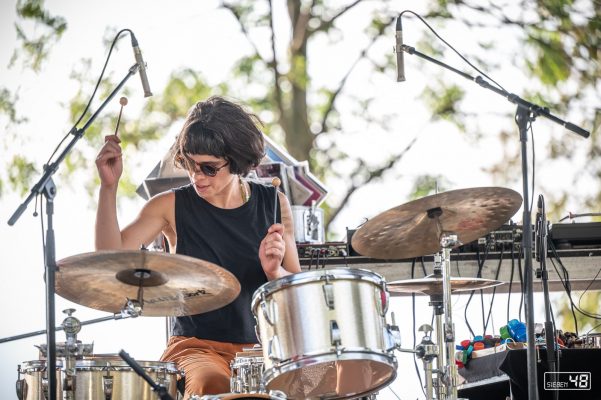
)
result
[(276, 182)]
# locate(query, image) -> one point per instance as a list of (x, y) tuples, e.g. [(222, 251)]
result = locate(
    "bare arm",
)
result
[(152, 219)]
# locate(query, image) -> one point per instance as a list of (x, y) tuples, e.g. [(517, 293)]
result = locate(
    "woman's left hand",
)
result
[(271, 251)]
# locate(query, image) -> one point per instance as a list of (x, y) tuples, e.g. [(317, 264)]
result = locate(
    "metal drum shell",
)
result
[(33, 380), (295, 329), (90, 376)]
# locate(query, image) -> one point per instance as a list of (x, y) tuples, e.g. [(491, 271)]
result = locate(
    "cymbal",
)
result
[(171, 284), (433, 285), (411, 230)]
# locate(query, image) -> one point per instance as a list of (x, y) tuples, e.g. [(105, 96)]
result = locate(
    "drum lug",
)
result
[(270, 311), (21, 387), (328, 294), (273, 347), (107, 386), (385, 299), (257, 332), (393, 335), (335, 334)]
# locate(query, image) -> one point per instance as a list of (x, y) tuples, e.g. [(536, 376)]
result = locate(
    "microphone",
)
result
[(141, 66), (400, 60), (540, 243)]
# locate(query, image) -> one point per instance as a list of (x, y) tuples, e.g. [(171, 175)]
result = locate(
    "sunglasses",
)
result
[(207, 169)]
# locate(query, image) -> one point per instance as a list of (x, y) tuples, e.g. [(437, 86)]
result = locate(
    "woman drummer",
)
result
[(220, 218)]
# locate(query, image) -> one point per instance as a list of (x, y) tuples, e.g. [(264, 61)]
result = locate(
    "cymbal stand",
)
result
[(427, 351), (447, 242), (46, 187)]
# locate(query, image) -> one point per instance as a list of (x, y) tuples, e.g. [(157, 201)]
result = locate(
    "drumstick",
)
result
[(123, 102), (276, 183)]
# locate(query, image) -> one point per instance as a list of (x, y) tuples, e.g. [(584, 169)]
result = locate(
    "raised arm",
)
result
[(153, 218)]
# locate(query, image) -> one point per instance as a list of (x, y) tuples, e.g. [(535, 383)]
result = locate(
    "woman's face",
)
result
[(209, 174)]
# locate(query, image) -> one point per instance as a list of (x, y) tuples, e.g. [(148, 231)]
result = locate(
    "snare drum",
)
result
[(247, 370), (324, 334), (34, 383), (109, 377)]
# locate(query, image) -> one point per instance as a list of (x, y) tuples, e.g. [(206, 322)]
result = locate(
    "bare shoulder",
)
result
[(161, 203)]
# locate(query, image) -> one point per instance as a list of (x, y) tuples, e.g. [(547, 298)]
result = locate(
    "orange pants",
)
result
[(206, 363)]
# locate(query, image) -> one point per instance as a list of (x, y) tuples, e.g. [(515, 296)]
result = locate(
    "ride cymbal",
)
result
[(432, 285), (415, 228), (165, 284)]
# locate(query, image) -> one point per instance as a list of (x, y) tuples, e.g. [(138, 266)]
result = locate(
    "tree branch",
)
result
[(238, 17), (327, 23), (274, 66), (373, 174), (330, 106)]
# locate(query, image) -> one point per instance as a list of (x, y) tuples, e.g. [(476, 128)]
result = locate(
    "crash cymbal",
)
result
[(172, 284), (415, 228), (432, 285)]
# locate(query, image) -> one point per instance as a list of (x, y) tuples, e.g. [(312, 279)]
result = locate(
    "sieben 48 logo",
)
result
[(567, 381)]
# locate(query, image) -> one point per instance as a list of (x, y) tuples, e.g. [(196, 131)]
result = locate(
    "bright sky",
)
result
[(198, 35)]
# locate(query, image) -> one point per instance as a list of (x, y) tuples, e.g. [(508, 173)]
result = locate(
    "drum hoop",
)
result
[(102, 364), (38, 365), (358, 274)]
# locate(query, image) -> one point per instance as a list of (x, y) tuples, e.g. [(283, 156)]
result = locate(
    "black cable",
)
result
[(521, 282), (74, 128), (567, 287), (588, 287), (511, 276), (452, 48), (423, 266), (478, 274), (494, 290), (533, 166)]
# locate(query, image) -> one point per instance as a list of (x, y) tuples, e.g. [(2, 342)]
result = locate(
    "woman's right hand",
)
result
[(109, 162)]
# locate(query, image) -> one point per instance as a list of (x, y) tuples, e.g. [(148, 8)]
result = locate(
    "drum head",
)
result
[(228, 396), (334, 379)]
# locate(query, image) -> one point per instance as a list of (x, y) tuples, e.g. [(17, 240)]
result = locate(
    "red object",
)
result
[(465, 343), (478, 346)]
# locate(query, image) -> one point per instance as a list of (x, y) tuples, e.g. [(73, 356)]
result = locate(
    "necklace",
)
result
[(243, 191)]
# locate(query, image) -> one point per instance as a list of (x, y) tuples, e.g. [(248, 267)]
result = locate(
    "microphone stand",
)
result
[(60, 328), (543, 274), (158, 388), (525, 114), (45, 186)]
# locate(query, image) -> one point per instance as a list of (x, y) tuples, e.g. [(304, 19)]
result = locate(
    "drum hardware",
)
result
[(159, 387), (32, 380), (109, 376), (427, 351), (152, 283), (345, 350), (46, 187), (437, 224)]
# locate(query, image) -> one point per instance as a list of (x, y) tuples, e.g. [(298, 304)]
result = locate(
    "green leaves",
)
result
[(48, 30)]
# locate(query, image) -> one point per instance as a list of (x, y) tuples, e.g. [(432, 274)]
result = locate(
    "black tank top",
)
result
[(229, 238)]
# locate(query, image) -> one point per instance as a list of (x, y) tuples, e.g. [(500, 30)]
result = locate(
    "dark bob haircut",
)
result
[(223, 129)]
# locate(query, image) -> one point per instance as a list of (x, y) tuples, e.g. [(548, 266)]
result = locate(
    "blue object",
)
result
[(478, 338), (517, 330)]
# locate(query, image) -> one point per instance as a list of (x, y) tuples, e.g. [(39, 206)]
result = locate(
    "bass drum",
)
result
[(104, 377), (324, 334)]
